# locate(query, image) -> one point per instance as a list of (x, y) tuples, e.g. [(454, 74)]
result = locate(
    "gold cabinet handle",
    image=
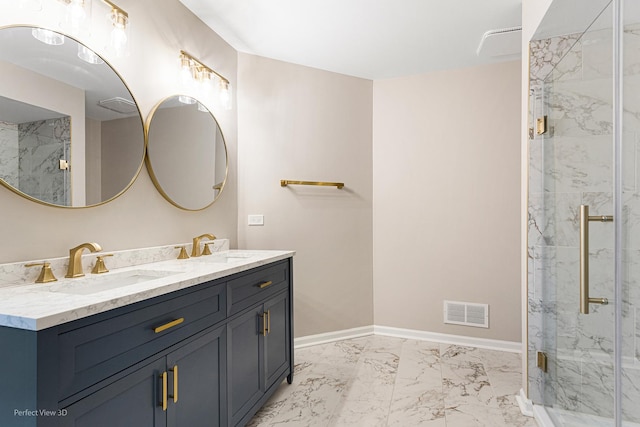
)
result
[(166, 326), (585, 300), (268, 321), (265, 284), (264, 324), (175, 383), (164, 391)]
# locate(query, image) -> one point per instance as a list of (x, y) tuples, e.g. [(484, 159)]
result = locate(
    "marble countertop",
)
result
[(43, 305)]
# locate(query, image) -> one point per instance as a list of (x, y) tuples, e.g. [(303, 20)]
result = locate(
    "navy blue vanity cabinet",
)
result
[(260, 353), (183, 388), (207, 355)]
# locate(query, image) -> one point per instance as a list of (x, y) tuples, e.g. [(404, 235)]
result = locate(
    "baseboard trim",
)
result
[(328, 337), (309, 340), (508, 346)]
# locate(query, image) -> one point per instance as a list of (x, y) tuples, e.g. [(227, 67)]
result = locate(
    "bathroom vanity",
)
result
[(199, 342)]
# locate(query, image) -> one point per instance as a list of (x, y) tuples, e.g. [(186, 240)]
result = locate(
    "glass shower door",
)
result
[(571, 367)]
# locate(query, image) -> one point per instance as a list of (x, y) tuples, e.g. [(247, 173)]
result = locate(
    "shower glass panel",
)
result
[(572, 165), (630, 209), (587, 154)]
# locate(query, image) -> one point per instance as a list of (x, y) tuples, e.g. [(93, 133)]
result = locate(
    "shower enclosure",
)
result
[(584, 214)]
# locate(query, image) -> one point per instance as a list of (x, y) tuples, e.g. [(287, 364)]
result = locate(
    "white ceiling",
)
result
[(373, 39)]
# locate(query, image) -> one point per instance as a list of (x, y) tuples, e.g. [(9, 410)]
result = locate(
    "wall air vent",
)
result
[(466, 313), (119, 105)]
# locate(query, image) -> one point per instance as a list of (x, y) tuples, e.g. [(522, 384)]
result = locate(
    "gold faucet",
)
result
[(75, 258), (195, 251)]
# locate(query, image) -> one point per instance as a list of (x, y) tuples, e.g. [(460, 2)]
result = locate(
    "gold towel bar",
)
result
[(285, 182)]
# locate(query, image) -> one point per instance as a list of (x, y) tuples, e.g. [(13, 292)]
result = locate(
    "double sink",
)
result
[(93, 284)]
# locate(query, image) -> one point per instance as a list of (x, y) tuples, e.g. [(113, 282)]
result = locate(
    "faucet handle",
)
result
[(46, 274), (183, 252), (100, 267), (207, 249)]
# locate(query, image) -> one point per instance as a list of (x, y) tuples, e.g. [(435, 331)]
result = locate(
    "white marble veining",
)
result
[(385, 381), (26, 305)]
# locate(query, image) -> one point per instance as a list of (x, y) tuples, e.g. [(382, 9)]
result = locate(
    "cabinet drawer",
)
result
[(257, 284), (96, 351)]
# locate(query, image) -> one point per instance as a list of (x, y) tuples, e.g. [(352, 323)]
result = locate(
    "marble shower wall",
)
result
[(572, 164), (41, 145), (9, 153)]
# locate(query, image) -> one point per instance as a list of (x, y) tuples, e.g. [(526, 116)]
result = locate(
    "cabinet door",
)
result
[(245, 373), (277, 349), (132, 401), (196, 382)]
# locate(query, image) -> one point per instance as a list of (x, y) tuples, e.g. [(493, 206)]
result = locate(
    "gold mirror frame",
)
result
[(154, 173), (126, 86)]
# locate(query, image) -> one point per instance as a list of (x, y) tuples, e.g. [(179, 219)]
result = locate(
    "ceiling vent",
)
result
[(503, 42), (119, 105)]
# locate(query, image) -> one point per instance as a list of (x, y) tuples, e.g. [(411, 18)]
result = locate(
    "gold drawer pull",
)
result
[(264, 324), (265, 284), (168, 325), (164, 390)]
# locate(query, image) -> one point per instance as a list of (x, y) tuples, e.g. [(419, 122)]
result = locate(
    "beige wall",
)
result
[(447, 198), (140, 217), (305, 124), (93, 153)]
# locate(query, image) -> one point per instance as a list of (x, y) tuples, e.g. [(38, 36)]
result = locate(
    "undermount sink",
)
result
[(224, 257), (99, 283)]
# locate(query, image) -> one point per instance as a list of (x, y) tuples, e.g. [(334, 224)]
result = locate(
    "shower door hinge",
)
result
[(541, 125), (542, 361), (64, 165)]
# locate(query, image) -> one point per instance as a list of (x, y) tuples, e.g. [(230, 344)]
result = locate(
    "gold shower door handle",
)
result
[(585, 300)]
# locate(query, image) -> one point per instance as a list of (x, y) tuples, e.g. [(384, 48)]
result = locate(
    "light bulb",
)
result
[(119, 36), (186, 76), (225, 95), (118, 40), (205, 81), (77, 17)]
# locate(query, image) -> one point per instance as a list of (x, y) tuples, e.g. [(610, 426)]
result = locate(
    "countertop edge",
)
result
[(184, 280)]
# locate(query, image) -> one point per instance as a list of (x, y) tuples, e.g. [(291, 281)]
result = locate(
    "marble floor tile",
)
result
[(384, 381)]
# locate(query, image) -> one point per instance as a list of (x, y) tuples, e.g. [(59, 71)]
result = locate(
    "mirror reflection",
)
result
[(71, 134), (186, 153)]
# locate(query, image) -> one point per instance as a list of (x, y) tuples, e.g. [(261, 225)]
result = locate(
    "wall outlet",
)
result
[(256, 220)]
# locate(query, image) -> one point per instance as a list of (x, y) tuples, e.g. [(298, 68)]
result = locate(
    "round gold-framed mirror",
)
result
[(186, 152), (71, 133)]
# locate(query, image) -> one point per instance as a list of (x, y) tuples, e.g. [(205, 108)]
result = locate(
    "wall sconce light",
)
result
[(119, 37), (77, 17), (192, 70)]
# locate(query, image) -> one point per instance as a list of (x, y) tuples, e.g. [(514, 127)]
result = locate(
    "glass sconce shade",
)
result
[(47, 36)]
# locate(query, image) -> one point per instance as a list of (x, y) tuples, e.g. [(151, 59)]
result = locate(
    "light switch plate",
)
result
[(256, 219)]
